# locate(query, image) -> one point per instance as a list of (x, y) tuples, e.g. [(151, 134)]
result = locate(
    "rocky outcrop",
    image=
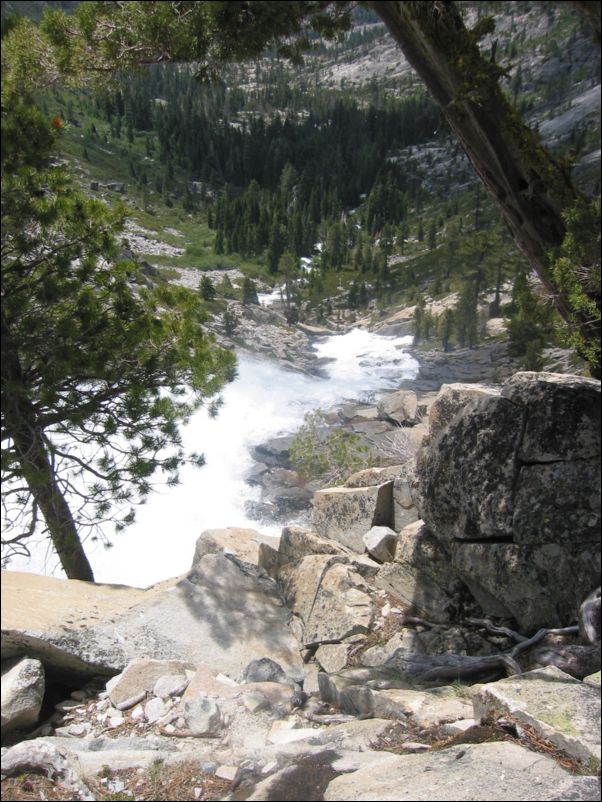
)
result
[(467, 772), (224, 613), (488, 362), (346, 513), (560, 709), (422, 576), (242, 543), (329, 597), (212, 673), (390, 697), (510, 488), (402, 476), (400, 408)]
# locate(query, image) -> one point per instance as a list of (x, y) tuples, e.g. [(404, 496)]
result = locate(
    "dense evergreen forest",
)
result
[(362, 178)]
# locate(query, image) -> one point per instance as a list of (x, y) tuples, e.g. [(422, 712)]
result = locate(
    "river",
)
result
[(264, 401)]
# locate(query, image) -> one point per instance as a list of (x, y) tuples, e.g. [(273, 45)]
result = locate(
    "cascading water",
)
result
[(263, 402)]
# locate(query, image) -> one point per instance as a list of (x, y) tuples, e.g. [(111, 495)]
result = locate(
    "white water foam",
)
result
[(263, 402)]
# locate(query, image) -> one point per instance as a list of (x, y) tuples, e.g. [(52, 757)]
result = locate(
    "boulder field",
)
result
[(433, 635)]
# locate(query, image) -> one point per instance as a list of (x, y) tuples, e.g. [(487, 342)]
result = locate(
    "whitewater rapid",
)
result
[(264, 401)]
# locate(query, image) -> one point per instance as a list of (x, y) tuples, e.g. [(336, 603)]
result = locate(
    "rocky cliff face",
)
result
[(510, 486)]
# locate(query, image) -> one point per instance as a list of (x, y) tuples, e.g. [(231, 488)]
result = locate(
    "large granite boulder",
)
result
[(421, 575), (560, 709), (330, 598), (495, 771), (224, 613), (242, 543), (399, 408), (451, 399), (296, 542), (347, 513), (540, 585), (510, 486), (23, 686), (402, 476)]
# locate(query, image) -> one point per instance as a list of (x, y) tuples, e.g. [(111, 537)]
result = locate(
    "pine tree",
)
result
[(207, 289), (432, 236), (93, 376), (467, 317), (249, 291), (445, 327), (289, 267), (419, 313)]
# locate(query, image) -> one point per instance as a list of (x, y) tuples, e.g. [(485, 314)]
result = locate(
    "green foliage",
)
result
[(327, 455), (445, 328), (467, 317), (419, 314), (226, 289), (230, 321), (207, 289), (576, 271), (530, 327), (249, 291)]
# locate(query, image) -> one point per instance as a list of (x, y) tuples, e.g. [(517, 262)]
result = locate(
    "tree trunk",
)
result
[(31, 448), (529, 186), (39, 473)]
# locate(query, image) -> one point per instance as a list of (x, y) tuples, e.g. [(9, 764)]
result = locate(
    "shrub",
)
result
[(331, 456)]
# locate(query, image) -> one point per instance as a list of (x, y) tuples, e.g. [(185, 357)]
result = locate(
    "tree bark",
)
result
[(31, 448), (529, 186)]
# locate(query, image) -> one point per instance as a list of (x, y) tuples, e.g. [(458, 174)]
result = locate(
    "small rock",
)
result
[(457, 727), (414, 746), (171, 685), (79, 696), (137, 713), (381, 543), (154, 709), (125, 704), (202, 716), (23, 688), (229, 773), (332, 656), (79, 730), (264, 670)]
